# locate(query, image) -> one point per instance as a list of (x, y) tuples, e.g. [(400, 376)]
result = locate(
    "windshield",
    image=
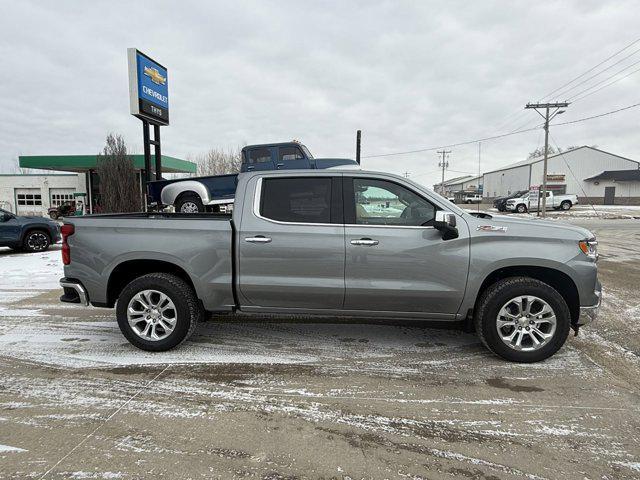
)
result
[(306, 151)]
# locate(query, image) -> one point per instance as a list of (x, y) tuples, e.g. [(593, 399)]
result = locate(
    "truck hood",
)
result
[(534, 227)]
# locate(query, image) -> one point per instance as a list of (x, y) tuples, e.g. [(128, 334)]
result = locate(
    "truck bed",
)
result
[(200, 244)]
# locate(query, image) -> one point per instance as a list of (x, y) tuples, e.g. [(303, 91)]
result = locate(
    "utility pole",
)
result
[(358, 141), (548, 116), (444, 164)]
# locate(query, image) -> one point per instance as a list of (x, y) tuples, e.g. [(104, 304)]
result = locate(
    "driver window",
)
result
[(379, 202)]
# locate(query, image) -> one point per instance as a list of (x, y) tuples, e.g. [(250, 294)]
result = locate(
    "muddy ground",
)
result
[(286, 400)]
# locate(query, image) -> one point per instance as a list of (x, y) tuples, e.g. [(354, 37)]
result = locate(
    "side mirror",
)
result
[(446, 223)]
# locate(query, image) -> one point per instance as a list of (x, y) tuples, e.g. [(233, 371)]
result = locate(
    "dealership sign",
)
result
[(148, 88)]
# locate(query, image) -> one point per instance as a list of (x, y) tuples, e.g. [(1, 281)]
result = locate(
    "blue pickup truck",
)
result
[(32, 234), (200, 194)]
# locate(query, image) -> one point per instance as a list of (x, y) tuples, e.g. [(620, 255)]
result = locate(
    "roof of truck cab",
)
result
[(277, 144)]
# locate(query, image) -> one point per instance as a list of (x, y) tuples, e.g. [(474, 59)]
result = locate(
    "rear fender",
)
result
[(173, 190)]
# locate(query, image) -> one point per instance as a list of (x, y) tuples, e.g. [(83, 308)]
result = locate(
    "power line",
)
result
[(500, 136), (505, 121), (601, 72), (592, 68), (596, 116), (607, 85), (429, 149)]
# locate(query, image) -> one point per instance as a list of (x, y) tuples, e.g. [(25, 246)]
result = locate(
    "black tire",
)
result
[(36, 241), (497, 295), (521, 208), (188, 203), (188, 311), (566, 205)]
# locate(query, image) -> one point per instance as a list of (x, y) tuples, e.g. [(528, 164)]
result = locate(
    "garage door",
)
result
[(60, 195), (28, 201)]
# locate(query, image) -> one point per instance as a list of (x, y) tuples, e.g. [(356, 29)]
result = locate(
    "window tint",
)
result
[(290, 153), (380, 202), (306, 200), (259, 155)]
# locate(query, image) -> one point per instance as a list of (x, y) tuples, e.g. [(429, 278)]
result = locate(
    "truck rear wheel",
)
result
[(522, 319), (158, 311), (190, 203)]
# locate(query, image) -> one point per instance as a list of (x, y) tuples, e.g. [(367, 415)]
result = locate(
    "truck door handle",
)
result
[(258, 239), (366, 242), (279, 165)]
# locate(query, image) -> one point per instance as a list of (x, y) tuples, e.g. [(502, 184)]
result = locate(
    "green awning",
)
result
[(83, 163)]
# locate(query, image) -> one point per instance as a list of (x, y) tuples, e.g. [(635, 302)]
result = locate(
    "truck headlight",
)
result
[(589, 248)]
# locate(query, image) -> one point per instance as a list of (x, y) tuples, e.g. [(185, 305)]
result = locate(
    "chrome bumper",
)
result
[(589, 314), (79, 290)]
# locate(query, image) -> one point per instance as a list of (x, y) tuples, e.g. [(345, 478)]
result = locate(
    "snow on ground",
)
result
[(7, 449), (29, 271)]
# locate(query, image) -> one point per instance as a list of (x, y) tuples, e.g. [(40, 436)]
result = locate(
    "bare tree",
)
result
[(219, 162), (119, 190)]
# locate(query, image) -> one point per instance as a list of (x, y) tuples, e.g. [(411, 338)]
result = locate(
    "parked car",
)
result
[(556, 202), (320, 242), (63, 210), (32, 234), (472, 198), (500, 203), (200, 194)]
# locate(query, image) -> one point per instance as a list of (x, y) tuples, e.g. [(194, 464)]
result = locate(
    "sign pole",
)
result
[(149, 101), (147, 161), (158, 153)]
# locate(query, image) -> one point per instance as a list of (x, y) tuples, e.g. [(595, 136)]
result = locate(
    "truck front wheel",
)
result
[(521, 208), (566, 205), (158, 311), (522, 319)]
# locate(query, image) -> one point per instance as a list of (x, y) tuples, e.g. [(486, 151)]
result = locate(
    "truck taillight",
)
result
[(66, 230)]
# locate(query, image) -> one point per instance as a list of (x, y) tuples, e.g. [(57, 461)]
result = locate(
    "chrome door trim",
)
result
[(256, 212)]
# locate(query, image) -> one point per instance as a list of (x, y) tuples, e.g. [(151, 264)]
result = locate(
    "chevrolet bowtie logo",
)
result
[(155, 76)]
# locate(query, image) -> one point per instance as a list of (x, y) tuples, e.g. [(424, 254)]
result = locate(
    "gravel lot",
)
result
[(269, 399)]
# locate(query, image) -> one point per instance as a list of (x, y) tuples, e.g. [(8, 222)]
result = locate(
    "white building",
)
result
[(569, 172), (459, 186), (33, 194)]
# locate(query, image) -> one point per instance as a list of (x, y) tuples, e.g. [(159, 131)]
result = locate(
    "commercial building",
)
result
[(581, 171), (33, 194), (458, 187)]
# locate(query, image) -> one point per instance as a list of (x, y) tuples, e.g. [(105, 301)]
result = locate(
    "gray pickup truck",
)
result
[(336, 243)]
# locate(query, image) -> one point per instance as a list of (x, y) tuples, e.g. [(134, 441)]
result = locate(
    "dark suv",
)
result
[(32, 234)]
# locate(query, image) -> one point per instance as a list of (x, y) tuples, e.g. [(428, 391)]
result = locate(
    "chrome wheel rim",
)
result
[(189, 207), (37, 241), (526, 323), (152, 315)]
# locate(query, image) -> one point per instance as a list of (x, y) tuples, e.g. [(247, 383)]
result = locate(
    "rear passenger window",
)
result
[(304, 200), (260, 155)]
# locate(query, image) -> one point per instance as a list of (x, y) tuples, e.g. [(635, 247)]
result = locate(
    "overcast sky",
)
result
[(408, 74)]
